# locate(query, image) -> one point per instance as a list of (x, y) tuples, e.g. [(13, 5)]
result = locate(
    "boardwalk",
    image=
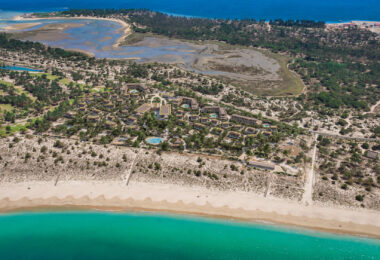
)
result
[(267, 189), (129, 171)]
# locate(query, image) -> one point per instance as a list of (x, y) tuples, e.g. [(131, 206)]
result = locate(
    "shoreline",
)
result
[(350, 21), (115, 196), (88, 53), (47, 208), (19, 17)]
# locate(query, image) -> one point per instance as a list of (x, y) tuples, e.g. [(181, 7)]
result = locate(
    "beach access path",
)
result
[(308, 193), (130, 170)]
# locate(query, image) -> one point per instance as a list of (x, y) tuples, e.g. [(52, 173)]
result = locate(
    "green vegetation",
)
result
[(291, 83), (133, 38)]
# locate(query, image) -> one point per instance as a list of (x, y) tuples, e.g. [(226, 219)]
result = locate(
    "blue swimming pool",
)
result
[(213, 115), (19, 69), (154, 140)]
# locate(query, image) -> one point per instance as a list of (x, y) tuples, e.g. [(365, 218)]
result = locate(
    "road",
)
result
[(346, 137)]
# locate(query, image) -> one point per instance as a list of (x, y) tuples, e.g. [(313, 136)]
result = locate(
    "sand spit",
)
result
[(171, 198), (20, 26), (49, 32)]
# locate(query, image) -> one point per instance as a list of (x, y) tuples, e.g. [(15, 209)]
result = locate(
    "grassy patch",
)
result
[(6, 83), (48, 76), (134, 38), (5, 107), (21, 90), (291, 83), (98, 89), (19, 127), (14, 129), (64, 81)]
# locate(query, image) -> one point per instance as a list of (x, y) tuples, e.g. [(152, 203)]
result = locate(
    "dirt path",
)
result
[(308, 193), (374, 106)]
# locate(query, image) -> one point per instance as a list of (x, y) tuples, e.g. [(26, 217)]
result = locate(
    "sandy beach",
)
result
[(116, 196)]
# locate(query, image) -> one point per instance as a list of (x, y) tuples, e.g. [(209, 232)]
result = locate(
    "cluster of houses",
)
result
[(187, 110), (359, 24)]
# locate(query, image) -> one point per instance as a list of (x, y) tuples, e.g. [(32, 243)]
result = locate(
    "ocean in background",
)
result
[(324, 10), (87, 235)]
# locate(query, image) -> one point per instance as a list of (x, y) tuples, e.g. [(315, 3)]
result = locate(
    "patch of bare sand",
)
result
[(233, 63), (375, 108)]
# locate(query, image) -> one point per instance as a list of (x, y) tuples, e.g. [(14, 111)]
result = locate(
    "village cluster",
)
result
[(125, 109)]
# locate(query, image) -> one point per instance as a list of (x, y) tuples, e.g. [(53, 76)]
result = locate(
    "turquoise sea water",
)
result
[(326, 10), (145, 236)]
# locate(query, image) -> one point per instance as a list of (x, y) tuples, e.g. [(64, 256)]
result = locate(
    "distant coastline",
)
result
[(262, 9), (127, 27), (19, 16)]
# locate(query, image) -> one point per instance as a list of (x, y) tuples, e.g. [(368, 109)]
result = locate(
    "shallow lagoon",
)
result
[(99, 37)]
